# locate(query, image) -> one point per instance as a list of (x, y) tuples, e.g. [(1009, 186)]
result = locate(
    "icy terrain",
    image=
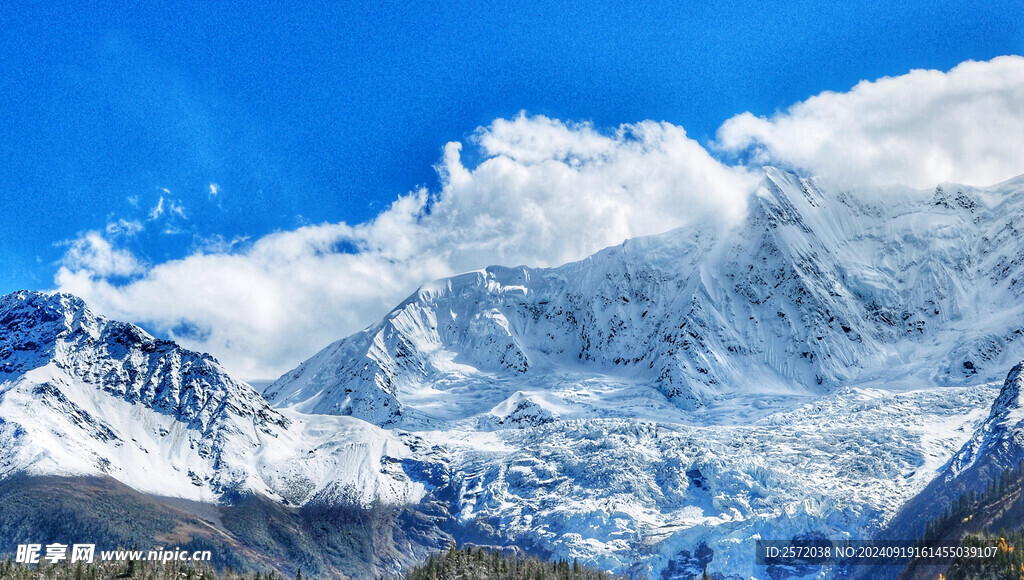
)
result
[(82, 395), (659, 405), (632, 495)]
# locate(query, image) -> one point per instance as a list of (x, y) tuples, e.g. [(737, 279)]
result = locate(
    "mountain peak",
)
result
[(41, 309), (84, 395), (1009, 395), (38, 329)]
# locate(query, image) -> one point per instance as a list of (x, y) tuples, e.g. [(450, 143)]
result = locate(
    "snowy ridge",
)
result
[(999, 442), (82, 395), (817, 288), (123, 360)]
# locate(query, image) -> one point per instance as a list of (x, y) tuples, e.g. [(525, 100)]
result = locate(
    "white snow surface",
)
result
[(815, 366), (629, 495), (81, 395)]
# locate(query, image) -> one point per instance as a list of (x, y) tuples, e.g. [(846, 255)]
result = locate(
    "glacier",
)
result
[(633, 495)]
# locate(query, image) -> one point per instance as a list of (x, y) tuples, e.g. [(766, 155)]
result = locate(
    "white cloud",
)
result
[(123, 227), (547, 192), (158, 209), (94, 256), (167, 206), (218, 244), (917, 129), (262, 310)]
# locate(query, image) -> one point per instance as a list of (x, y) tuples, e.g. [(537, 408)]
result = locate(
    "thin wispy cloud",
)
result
[(169, 207), (123, 227), (158, 209)]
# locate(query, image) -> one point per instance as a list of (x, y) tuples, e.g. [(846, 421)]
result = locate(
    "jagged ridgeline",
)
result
[(111, 436)]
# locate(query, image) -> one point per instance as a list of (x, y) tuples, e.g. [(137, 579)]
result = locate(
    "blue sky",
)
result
[(265, 117)]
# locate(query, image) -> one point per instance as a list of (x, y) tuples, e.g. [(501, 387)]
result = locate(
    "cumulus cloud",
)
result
[(545, 193), (918, 129), (549, 192), (262, 310), (95, 257)]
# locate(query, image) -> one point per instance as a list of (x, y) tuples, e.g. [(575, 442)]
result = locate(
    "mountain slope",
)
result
[(658, 406), (654, 408), (995, 448), (83, 395), (249, 533), (816, 288)]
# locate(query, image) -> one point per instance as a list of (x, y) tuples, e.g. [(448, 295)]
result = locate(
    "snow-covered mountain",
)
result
[(817, 288), (83, 395), (658, 406), (654, 408)]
